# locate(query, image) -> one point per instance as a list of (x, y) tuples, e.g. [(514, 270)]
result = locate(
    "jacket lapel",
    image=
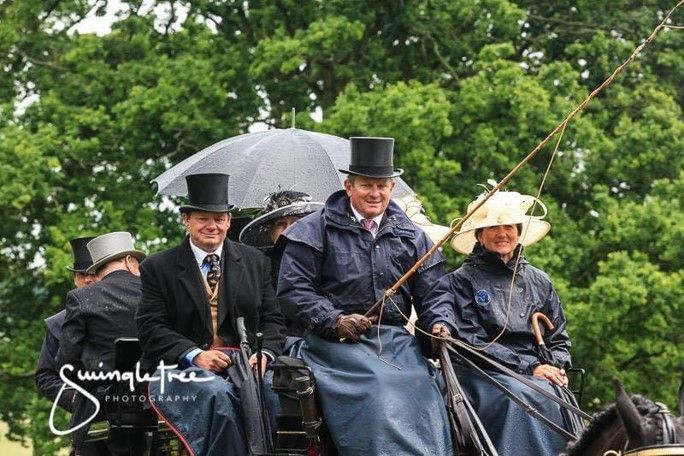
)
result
[(230, 281), (191, 278)]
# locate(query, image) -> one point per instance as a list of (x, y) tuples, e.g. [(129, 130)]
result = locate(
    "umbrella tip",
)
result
[(293, 117)]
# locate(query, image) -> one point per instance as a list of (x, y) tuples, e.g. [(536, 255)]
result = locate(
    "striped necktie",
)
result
[(214, 272)]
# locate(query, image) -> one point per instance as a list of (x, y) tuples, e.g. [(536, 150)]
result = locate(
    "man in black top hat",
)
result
[(336, 264), (192, 297), (47, 372)]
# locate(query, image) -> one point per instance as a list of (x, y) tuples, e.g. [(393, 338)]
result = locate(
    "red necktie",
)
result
[(368, 224)]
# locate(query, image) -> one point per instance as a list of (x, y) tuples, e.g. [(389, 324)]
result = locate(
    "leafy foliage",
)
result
[(466, 88)]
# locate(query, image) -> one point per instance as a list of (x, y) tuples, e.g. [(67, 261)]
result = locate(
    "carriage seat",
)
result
[(128, 409), (299, 423)]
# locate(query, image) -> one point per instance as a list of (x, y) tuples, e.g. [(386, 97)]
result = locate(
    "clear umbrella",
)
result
[(262, 162)]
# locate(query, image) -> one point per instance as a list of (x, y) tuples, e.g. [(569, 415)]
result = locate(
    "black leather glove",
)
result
[(351, 326)]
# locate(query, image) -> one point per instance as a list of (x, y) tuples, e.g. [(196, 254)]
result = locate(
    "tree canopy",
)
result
[(467, 88)]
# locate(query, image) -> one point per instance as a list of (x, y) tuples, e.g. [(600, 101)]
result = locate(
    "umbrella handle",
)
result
[(535, 326), (259, 340)]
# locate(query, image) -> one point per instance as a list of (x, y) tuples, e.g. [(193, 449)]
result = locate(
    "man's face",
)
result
[(82, 279), (500, 239), (281, 224), (369, 195), (207, 230)]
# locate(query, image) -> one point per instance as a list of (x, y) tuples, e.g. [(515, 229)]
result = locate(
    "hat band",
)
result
[(372, 169), (219, 207)]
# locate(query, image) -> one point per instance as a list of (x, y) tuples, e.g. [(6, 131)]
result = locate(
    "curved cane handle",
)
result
[(535, 326)]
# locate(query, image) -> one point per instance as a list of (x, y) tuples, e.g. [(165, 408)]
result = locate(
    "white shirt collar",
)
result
[(200, 254), (360, 217)]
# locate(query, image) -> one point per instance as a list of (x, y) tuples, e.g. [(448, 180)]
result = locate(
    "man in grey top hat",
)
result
[(336, 264), (47, 377), (99, 314)]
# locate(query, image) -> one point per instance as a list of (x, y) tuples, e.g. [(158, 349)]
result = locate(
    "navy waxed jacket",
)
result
[(331, 265), (479, 291)]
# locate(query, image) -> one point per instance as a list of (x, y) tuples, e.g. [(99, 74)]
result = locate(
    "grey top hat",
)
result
[(207, 192), (82, 260), (111, 246), (278, 204), (372, 157)]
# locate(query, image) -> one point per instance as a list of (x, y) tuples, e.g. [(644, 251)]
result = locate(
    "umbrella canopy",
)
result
[(266, 161)]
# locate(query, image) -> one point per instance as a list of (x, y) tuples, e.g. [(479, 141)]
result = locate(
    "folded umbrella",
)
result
[(253, 410)]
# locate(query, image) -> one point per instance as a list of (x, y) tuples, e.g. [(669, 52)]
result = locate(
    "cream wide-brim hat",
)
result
[(413, 208), (503, 208)]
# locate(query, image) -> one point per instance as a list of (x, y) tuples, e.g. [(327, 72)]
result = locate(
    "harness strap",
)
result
[(467, 425), (524, 405), (667, 424), (669, 444), (500, 367)]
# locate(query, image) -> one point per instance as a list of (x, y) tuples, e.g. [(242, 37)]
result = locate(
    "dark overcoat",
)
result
[(47, 377), (96, 316), (174, 316)]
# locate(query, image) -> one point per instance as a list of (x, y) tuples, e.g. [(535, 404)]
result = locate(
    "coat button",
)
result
[(377, 246), (522, 314), (205, 347)]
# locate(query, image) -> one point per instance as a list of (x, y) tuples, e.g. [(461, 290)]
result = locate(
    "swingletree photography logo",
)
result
[(164, 373)]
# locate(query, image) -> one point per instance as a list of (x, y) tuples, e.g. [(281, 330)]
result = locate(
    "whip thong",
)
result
[(560, 127)]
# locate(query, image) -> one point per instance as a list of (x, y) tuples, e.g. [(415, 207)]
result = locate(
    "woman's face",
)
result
[(280, 224), (500, 239)]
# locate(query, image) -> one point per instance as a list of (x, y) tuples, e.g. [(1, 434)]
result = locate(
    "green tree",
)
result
[(466, 88)]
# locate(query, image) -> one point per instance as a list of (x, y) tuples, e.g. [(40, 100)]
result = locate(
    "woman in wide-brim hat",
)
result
[(494, 294), (281, 209), (503, 208)]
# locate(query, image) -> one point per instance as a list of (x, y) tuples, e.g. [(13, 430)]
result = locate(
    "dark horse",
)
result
[(631, 422)]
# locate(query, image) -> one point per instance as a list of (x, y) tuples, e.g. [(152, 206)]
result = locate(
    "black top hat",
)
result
[(207, 192), (372, 157), (82, 260)]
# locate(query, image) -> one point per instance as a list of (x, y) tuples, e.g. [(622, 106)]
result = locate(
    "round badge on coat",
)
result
[(482, 297)]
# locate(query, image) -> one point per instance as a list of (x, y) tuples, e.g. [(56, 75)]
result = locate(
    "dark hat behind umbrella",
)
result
[(276, 205), (79, 250), (207, 192), (372, 157)]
